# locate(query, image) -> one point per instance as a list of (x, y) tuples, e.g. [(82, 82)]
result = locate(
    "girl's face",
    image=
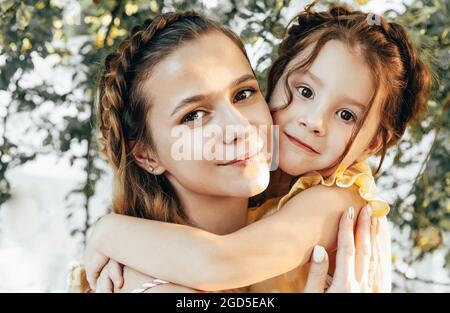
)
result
[(206, 109), (327, 101)]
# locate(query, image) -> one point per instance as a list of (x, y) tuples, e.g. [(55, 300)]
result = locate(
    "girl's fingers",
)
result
[(104, 283), (115, 273), (94, 262), (363, 246), (318, 271), (344, 274)]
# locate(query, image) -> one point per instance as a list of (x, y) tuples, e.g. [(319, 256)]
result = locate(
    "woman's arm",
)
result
[(205, 261)]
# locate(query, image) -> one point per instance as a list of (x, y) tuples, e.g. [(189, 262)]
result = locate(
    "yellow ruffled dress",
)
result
[(359, 175)]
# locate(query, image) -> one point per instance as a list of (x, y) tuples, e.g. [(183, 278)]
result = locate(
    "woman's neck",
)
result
[(218, 215)]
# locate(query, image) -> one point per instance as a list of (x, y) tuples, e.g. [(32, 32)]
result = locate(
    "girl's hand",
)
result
[(356, 262), (111, 277), (94, 262)]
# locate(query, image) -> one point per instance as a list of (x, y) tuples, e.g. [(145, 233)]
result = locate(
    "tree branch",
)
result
[(114, 14)]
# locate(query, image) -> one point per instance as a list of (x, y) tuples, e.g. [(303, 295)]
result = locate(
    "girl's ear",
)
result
[(146, 159), (375, 146)]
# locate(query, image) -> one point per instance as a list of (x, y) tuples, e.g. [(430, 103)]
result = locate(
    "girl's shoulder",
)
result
[(267, 208), (356, 180)]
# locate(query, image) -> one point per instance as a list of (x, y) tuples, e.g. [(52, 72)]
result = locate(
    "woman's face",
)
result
[(206, 110), (327, 100)]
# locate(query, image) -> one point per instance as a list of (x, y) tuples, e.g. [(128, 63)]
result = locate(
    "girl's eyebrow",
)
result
[(345, 99), (198, 98), (314, 77), (354, 102)]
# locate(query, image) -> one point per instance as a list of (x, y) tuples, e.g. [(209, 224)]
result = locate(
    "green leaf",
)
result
[(23, 16), (5, 5)]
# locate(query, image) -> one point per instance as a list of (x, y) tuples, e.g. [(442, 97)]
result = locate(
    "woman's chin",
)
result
[(254, 181), (262, 180)]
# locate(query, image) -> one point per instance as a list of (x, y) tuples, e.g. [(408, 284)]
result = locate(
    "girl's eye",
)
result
[(306, 92), (346, 115), (193, 116), (243, 94)]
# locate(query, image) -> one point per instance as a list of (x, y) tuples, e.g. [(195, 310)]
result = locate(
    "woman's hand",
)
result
[(356, 258)]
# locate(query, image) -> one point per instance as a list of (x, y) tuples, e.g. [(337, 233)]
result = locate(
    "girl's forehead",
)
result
[(336, 65)]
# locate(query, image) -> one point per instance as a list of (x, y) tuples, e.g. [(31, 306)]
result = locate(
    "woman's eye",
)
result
[(193, 116), (306, 92), (243, 94), (346, 115)]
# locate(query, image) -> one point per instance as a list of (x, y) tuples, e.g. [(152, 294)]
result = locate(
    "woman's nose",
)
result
[(237, 127)]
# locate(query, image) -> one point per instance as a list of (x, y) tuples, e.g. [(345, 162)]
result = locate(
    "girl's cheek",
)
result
[(278, 118), (339, 138)]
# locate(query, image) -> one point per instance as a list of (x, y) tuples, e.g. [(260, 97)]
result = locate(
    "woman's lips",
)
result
[(301, 144), (242, 161)]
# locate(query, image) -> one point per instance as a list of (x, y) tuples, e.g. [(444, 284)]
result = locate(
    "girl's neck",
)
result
[(218, 215), (280, 183)]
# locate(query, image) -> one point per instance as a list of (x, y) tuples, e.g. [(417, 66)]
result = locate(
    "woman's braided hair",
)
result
[(123, 111), (403, 79)]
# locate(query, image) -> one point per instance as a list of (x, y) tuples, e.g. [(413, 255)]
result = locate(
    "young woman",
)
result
[(334, 126)]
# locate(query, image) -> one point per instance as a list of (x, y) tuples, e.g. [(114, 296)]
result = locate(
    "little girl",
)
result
[(341, 90)]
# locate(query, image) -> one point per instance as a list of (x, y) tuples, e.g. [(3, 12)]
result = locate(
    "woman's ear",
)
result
[(146, 159)]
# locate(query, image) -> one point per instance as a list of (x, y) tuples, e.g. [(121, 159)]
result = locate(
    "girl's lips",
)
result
[(301, 144)]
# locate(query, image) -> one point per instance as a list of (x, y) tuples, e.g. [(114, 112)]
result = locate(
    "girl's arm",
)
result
[(192, 257), (133, 279)]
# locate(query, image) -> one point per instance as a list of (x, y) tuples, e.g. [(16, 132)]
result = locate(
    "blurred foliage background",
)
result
[(74, 37)]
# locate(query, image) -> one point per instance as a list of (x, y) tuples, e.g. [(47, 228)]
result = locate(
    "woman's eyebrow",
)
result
[(198, 98), (187, 101), (242, 79)]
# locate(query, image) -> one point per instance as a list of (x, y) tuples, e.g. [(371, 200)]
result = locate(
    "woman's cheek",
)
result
[(186, 144)]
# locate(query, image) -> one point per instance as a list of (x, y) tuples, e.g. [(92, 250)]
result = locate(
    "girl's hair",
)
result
[(123, 110), (402, 79)]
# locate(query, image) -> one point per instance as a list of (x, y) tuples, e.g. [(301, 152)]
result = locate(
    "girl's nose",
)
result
[(313, 122)]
